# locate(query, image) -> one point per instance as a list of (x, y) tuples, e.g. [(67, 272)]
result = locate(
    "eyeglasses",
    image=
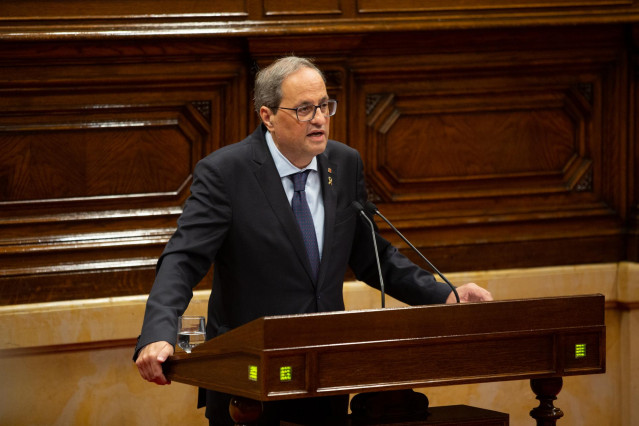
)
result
[(307, 112)]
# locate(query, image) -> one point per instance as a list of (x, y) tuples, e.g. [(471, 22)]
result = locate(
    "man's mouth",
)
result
[(317, 133)]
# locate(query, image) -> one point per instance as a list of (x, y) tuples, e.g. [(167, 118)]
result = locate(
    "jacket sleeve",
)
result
[(188, 255)]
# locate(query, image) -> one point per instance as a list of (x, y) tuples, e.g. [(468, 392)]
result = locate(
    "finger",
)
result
[(150, 361), (152, 371), (161, 380), (165, 353), (144, 371), (480, 294), (158, 374), (145, 367), (487, 297)]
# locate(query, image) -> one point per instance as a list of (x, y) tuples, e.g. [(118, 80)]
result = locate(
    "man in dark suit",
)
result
[(240, 216)]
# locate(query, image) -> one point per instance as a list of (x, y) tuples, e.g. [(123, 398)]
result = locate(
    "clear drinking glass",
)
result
[(191, 332)]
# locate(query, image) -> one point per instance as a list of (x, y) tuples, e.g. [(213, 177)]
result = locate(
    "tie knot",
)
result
[(299, 180)]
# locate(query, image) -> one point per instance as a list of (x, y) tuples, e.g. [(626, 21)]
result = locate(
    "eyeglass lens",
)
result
[(307, 112)]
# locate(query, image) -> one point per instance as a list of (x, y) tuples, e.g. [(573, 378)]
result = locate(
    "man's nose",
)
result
[(319, 117)]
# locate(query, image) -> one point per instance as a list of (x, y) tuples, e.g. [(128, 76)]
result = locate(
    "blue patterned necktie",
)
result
[(305, 219)]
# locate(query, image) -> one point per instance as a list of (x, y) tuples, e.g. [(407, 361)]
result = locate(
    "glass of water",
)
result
[(191, 332)]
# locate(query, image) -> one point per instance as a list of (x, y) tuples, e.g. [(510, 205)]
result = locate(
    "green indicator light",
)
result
[(580, 350), (286, 374), (253, 373)]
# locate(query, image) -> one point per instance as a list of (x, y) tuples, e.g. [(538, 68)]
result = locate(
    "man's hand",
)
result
[(470, 292), (150, 361)]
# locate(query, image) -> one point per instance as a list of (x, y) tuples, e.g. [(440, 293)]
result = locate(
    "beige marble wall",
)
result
[(70, 363)]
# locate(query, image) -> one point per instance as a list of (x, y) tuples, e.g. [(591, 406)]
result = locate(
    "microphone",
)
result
[(360, 209), (372, 208)]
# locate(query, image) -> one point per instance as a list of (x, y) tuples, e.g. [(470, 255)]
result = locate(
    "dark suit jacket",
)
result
[(238, 217)]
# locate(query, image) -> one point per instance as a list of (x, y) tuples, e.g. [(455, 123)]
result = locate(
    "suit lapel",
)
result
[(271, 183), (328, 181)]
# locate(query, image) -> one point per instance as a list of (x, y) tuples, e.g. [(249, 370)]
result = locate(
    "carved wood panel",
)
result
[(488, 148), (115, 9), (495, 151), (292, 8), (108, 150), (381, 6), (42, 19), (97, 160), (633, 154), (440, 146)]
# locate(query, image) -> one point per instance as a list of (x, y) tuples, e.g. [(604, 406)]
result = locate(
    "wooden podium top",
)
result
[(300, 356)]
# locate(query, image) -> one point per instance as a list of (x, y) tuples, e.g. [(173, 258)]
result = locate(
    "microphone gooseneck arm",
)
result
[(373, 209), (360, 209)]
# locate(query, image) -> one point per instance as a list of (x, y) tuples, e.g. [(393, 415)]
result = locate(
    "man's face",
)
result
[(299, 141)]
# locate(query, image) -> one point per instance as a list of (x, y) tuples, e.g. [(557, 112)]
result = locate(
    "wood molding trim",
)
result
[(106, 323), (76, 347), (489, 148), (58, 20), (131, 342)]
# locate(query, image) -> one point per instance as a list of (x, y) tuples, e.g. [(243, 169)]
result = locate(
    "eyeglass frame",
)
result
[(316, 107)]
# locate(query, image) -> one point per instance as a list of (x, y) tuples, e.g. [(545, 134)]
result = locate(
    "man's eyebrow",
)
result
[(323, 99)]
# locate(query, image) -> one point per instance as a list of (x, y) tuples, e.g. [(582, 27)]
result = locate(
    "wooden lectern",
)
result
[(298, 356)]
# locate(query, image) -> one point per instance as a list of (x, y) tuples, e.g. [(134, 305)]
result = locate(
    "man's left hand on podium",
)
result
[(470, 292)]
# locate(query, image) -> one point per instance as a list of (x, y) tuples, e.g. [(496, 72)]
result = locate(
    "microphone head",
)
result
[(357, 206), (371, 207)]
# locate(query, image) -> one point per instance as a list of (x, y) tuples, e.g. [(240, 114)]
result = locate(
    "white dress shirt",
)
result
[(313, 187)]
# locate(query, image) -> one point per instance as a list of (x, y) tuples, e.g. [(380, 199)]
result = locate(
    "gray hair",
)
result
[(268, 81)]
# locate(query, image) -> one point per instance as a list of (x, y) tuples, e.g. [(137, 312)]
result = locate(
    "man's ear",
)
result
[(266, 114)]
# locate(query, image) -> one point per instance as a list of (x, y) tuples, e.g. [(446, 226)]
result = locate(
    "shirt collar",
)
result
[(284, 166)]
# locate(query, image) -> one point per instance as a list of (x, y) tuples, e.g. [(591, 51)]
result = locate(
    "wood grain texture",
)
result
[(42, 20), (99, 144), (488, 148), (440, 345)]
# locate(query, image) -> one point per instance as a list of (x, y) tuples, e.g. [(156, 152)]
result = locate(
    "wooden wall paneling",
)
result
[(99, 143), (381, 6), (63, 19), (293, 7), (615, 133), (99, 138), (633, 154), (82, 10), (489, 158)]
